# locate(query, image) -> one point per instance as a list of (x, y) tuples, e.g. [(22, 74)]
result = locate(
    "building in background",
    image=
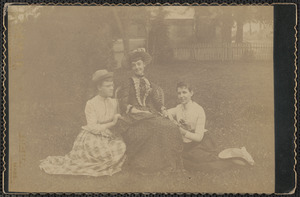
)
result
[(207, 33)]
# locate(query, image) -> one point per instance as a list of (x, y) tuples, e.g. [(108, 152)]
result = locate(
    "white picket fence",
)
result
[(224, 51)]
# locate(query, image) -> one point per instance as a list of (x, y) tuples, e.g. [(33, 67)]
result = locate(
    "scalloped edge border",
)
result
[(143, 4)]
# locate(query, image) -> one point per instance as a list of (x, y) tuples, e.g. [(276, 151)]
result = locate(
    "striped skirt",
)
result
[(92, 155)]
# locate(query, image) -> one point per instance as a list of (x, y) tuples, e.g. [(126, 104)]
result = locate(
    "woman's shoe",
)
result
[(247, 156), (237, 153)]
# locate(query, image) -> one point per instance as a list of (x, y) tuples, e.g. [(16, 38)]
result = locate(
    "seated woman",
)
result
[(199, 150), (96, 151), (153, 142)]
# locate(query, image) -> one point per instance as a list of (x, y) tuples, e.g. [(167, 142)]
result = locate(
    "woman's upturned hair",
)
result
[(182, 84), (139, 54), (100, 82)]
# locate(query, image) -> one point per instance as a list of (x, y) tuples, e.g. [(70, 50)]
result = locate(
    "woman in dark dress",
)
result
[(153, 142)]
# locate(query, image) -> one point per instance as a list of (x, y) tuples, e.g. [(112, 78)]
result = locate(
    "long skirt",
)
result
[(153, 145), (92, 154), (203, 156)]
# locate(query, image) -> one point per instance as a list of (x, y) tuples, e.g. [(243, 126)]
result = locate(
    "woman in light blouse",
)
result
[(96, 150), (199, 149)]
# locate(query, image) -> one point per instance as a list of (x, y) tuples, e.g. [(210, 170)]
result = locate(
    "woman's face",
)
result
[(184, 95), (138, 67), (106, 89)]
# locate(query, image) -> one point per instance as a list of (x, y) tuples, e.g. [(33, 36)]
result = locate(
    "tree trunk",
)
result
[(147, 31), (226, 33), (196, 25), (227, 27), (239, 31), (122, 30)]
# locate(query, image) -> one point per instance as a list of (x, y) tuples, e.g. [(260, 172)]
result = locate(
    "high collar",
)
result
[(102, 98), (188, 105)]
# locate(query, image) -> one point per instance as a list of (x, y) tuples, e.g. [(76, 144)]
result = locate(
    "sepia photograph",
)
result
[(141, 99)]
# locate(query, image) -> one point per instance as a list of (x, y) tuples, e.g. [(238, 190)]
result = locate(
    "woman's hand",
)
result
[(104, 133), (95, 132), (172, 119), (165, 113), (116, 117), (135, 110), (183, 131)]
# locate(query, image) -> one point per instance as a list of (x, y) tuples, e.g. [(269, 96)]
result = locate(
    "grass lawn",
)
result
[(238, 102)]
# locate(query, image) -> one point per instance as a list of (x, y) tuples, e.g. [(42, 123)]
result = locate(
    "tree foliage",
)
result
[(62, 48), (226, 18)]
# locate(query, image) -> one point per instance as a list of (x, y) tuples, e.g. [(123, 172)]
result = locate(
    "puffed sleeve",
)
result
[(123, 97), (172, 112), (157, 95), (200, 125), (199, 128), (118, 111), (91, 118)]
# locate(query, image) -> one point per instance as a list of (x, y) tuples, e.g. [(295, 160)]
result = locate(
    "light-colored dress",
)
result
[(92, 154)]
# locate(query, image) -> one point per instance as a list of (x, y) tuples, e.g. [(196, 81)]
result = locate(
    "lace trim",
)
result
[(136, 82)]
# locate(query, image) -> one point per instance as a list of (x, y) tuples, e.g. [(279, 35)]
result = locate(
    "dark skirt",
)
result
[(153, 144), (203, 156)]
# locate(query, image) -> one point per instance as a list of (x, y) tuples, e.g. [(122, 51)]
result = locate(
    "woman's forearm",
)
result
[(123, 97), (194, 136), (134, 110), (98, 128), (110, 124)]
